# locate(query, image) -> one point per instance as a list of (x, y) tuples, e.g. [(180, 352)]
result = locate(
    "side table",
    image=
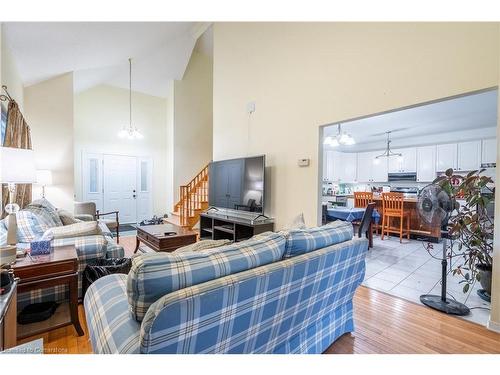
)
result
[(43, 271)]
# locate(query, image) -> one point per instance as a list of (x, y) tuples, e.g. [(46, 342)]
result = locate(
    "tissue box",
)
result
[(40, 247)]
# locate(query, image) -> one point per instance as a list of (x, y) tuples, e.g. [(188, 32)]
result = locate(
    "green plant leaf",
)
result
[(449, 172), (466, 288)]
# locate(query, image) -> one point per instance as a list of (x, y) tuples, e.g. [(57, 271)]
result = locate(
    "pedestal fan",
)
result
[(435, 207)]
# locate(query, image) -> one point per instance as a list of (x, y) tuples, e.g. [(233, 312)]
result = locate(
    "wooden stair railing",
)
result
[(193, 199)]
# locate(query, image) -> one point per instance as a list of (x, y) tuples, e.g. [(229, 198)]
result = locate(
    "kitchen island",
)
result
[(418, 227)]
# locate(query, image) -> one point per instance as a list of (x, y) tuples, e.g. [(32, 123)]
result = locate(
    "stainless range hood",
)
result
[(402, 177)]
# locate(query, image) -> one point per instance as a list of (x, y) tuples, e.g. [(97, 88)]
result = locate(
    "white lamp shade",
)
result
[(17, 166), (44, 177)]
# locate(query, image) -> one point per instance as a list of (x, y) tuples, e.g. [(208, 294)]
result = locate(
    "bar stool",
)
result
[(361, 199), (393, 207)]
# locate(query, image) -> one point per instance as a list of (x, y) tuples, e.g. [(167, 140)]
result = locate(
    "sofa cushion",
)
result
[(203, 245), (67, 217), (85, 228), (46, 212), (154, 275), (28, 226), (301, 241)]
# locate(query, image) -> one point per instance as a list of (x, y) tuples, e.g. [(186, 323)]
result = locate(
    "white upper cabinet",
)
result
[(489, 151), (331, 165), (364, 166), (404, 164), (371, 169), (426, 163), (468, 156), (379, 168), (446, 157), (348, 166)]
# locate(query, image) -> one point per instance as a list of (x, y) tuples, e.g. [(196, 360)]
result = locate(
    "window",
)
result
[(144, 176), (93, 175)]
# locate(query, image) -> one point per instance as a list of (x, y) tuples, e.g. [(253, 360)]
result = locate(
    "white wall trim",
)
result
[(493, 326)]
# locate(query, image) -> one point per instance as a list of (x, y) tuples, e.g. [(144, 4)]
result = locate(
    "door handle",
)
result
[(134, 196)]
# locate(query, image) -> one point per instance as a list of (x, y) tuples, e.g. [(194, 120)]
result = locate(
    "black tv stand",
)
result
[(260, 215), (215, 226)]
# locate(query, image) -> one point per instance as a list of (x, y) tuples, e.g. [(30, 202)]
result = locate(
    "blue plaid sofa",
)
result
[(33, 221), (275, 293)]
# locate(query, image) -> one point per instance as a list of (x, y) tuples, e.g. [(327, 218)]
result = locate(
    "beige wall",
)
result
[(49, 112), (304, 75), (10, 75), (170, 149), (192, 120), (101, 112)]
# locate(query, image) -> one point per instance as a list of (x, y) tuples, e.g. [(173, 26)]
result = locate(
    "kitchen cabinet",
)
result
[(406, 163), (446, 157), (328, 165), (489, 151), (426, 163), (468, 156), (371, 169), (347, 166)]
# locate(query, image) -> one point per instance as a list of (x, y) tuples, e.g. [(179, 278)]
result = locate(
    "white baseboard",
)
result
[(493, 326)]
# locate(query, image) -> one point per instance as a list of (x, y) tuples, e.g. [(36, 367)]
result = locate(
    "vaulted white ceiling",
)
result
[(98, 52)]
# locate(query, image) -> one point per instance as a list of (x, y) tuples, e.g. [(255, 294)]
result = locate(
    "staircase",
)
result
[(193, 199)]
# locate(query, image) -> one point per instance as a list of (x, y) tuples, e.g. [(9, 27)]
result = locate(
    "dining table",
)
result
[(350, 214), (353, 214)]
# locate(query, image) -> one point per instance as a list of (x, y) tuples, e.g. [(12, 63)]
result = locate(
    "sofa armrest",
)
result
[(85, 217), (113, 250), (111, 326)]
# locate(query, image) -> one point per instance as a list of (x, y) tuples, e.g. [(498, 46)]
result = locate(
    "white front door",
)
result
[(120, 186)]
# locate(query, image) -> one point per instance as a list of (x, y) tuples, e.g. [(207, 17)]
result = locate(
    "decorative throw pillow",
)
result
[(67, 217), (3, 234), (28, 226), (82, 229), (203, 245), (46, 212)]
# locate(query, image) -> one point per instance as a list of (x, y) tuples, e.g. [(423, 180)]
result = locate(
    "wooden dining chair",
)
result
[(393, 208), (362, 198)]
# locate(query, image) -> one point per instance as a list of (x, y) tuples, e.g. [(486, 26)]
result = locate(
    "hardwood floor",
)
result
[(383, 324)]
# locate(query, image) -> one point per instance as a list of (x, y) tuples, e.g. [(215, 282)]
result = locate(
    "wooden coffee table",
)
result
[(38, 272), (154, 237)]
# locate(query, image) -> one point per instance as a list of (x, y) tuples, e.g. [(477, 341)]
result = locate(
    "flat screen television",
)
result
[(238, 184)]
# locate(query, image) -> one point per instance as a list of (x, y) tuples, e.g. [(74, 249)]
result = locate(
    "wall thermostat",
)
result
[(304, 162)]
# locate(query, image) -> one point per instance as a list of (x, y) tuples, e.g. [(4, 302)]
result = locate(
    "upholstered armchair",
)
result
[(87, 211)]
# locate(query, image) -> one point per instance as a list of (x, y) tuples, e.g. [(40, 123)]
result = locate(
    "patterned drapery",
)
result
[(17, 135)]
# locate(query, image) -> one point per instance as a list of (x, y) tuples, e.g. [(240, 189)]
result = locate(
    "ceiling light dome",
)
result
[(341, 138)]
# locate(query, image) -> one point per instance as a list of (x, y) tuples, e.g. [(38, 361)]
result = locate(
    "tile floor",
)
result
[(407, 270)]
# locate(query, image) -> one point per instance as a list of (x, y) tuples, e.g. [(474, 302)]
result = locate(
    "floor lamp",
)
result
[(17, 166)]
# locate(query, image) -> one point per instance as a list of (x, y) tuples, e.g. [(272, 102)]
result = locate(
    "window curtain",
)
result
[(17, 135)]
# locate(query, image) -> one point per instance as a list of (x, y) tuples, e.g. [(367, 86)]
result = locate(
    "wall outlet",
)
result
[(304, 162), (250, 107)]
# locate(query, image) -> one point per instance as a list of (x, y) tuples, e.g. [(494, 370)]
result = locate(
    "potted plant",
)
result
[(471, 226)]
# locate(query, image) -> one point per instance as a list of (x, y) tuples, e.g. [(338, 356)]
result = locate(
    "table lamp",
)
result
[(17, 166), (43, 178)]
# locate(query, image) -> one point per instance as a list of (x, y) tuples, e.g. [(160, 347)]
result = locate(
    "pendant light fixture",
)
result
[(388, 152), (130, 132), (343, 139)]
